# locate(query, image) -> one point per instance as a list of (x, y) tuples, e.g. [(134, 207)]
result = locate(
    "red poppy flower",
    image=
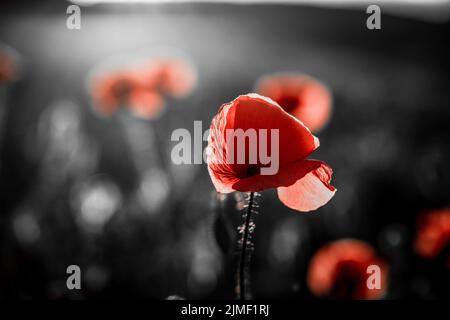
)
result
[(7, 67), (171, 77), (142, 88), (177, 78), (147, 76), (339, 270), (302, 184), (146, 103), (112, 90), (302, 96), (126, 88), (433, 233)]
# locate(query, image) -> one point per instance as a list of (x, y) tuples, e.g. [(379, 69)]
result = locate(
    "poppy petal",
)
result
[(255, 112), (222, 183), (110, 90), (304, 97), (178, 78), (316, 106), (339, 270), (146, 104), (433, 233), (7, 67), (286, 176), (310, 192), (221, 173)]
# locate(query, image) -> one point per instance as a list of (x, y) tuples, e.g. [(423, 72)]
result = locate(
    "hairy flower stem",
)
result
[(243, 260)]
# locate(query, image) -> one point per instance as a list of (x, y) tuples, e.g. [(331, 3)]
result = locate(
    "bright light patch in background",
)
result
[(327, 2), (69, 150), (96, 277), (154, 190), (97, 200), (285, 242), (25, 227), (205, 267), (436, 10)]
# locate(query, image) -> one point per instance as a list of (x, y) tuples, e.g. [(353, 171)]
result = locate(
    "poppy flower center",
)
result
[(122, 89), (289, 102), (348, 281), (252, 171)]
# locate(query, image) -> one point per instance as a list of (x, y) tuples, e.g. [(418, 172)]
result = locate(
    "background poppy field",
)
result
[(100, 190)]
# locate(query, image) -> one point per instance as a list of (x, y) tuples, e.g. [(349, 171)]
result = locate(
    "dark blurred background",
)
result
[(72, 191)]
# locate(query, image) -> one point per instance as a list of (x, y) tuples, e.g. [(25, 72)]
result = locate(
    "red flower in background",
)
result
[(433, 233), (110, 91), (339, 270), (302, 96), (177, 78), (302, 185), (7, 67), (146, 103), (143, 88)]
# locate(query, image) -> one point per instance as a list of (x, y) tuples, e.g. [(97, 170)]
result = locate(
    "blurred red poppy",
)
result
[(143, 88), (302, 96), (177, 78), (171, 77), (302, 185), (7, 67), (146, 103), (433, 233), (339, 270), (110, 91)]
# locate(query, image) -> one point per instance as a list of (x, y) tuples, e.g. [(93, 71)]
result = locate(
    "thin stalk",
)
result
[(243, 260)]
